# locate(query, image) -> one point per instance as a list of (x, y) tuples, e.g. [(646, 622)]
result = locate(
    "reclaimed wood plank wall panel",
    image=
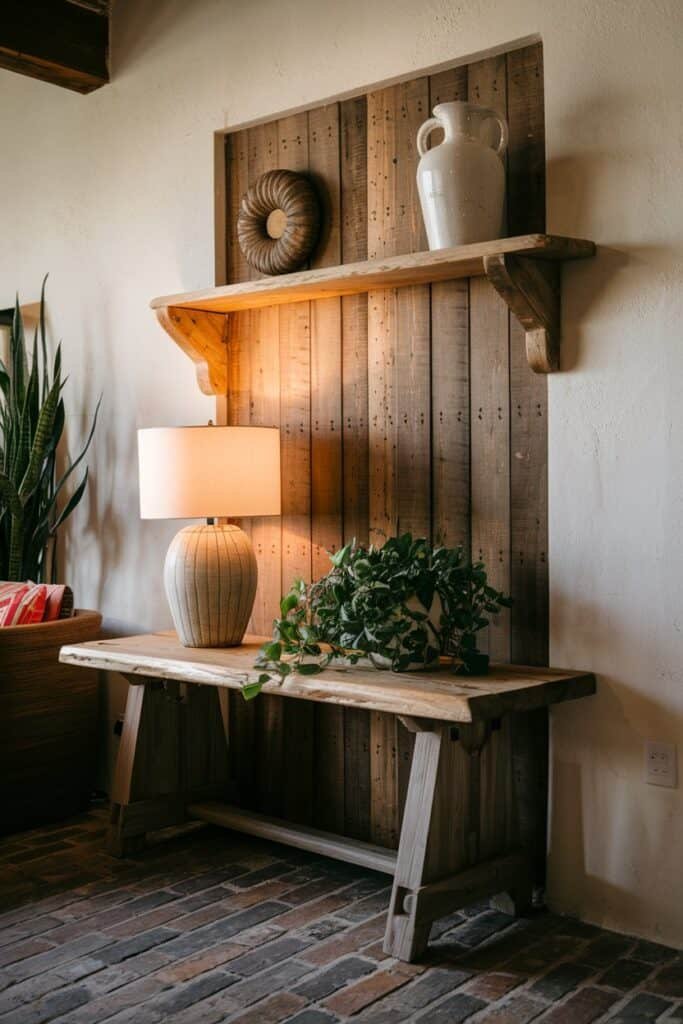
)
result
[(357, 795), (261, 333), (222, 200), (399, 348), (528, 394), (382, 385), (529, 460), (403, 409), (242, 731), (526, 148), (356, 466), (264, 410), (295, 387), (450, 385), (266, 538), (382, 427), (237, 175), (297, 719), (451, 413), (490, 399), (490, 450), (412, 341), (384, 779), (326, 443), (326, 348), (398, 319), (495, 810)]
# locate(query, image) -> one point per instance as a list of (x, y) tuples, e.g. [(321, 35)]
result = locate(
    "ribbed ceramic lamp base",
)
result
[(210, 577)]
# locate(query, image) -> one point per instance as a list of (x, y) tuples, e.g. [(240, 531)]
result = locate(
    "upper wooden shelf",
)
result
[(393, 272), (524, 270)]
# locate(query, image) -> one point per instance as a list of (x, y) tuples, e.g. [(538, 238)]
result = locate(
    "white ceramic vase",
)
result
[(461, 181)]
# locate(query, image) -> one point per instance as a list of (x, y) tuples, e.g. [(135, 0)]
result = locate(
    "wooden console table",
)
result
[(459, 840)]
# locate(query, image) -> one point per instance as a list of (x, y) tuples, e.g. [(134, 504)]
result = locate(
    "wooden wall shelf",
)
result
[(525, 271)]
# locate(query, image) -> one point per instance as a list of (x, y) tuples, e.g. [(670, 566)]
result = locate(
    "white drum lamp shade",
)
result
[(210, 571), (205, 472)]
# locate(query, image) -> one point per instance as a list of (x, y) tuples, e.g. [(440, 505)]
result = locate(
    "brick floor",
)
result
[(210, 927)]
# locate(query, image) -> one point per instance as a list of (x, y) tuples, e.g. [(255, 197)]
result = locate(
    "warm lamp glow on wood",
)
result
[(210, 472)]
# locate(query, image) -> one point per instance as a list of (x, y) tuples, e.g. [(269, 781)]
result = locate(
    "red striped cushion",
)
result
[(54, 602), (22, 604)]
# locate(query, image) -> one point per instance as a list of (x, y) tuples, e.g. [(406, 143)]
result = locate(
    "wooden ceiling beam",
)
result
[(55, 41)]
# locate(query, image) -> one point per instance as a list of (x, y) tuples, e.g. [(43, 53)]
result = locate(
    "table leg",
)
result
[(173, 751), (444, 861)]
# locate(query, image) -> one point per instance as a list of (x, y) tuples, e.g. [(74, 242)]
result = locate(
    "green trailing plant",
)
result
[(32, 495), (401, 605)]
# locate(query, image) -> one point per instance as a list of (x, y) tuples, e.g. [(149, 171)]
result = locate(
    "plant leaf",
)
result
[(309, 669), (9, 495), (288, 603), (19, 361), (425, 593), (41, 439), (43, 342), (71, 504), (251, 690)]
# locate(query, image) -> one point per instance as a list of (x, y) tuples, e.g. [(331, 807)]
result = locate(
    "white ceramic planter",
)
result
[(435, 617), (461, 181)]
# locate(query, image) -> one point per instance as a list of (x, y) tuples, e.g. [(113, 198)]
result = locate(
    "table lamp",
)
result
[(204, 473)]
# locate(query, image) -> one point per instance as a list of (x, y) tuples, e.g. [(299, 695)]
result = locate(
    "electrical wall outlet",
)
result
[(660, 764)]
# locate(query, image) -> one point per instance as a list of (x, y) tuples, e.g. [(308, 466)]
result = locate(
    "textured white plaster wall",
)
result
[(112, 193)]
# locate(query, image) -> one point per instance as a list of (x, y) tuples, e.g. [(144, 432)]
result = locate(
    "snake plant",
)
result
[(32, 494)]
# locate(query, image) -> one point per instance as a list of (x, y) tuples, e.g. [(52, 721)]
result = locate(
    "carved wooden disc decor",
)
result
[(278, 222)]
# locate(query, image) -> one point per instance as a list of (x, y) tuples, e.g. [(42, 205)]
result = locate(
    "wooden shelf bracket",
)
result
[(531, 289), (202, 336)]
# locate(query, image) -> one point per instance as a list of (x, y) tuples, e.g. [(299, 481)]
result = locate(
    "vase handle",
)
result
[(424, 131), (503, 130)]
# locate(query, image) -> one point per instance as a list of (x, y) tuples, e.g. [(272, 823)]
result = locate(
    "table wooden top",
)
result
[(435, 693)]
